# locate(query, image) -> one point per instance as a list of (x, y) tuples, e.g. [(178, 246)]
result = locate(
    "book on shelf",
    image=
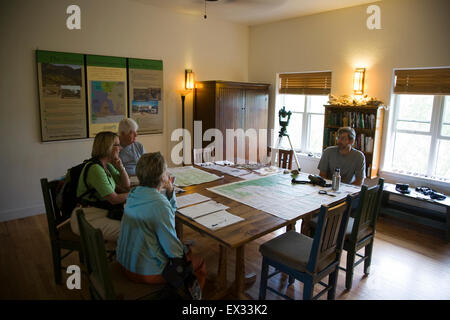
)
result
[(354, 119)]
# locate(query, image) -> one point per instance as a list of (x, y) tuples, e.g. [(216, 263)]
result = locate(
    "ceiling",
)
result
[(253, 12)]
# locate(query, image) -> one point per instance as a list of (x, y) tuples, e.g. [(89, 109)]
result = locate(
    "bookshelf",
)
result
[(368, 124)]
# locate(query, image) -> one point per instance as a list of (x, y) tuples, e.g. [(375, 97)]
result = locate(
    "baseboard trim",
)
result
[(21, 213)]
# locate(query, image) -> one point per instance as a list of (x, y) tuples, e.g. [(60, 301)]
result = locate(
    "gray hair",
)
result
[(126, 125), (150, 169), (350, 131)]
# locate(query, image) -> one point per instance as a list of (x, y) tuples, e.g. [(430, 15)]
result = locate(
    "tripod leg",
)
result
[(295, 155)]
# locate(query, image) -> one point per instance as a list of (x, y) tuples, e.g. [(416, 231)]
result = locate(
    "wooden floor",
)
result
[(409, 262)]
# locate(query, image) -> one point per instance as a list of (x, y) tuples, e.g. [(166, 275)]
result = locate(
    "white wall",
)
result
[(415, 33), (125, 28)]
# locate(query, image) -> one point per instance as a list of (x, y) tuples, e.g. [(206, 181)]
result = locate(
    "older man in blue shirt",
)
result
[(131, 149)]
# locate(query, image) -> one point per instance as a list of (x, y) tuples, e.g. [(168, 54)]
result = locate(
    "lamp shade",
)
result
[(189, 79), (358, 82)]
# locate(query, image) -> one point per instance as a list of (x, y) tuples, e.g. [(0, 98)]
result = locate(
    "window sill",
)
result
[(415, 181)]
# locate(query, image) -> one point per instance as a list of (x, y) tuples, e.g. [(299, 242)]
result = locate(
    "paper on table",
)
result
[(218, 220), (232, 171), (271, 170), (202, 209), (187, 176), (224, 163), (189, 199), (250, 176)]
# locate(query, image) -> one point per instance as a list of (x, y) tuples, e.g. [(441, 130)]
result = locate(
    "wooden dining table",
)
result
[(256, 224)]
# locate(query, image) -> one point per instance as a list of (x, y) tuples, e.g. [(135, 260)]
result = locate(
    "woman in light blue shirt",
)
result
[(147, 236)]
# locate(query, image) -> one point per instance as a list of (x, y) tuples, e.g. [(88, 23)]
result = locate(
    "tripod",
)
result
[(284, 116)]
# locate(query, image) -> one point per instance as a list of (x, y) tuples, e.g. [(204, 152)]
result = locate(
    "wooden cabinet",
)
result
[(232, 105), (368, 124)]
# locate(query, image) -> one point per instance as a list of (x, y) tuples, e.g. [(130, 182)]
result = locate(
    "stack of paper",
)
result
[(189, 199), (202, 209), (210, 214), (218, 220)]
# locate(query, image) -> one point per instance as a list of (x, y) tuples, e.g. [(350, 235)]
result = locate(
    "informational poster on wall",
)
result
[(62, 100), (107, 92), (146, 94)]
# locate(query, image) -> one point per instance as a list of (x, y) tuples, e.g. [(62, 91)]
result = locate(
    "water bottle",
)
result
[(336, 180)]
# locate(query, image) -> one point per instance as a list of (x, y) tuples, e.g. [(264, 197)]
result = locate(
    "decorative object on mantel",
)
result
[(346, 100)]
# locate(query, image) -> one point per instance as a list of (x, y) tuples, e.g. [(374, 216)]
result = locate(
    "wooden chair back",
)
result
[(94, 250), (367, 211), (55, 216), (285, 158), (201, 155), (329, 236)]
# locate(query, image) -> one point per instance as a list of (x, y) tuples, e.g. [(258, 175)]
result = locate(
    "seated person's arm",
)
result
[(358, 181), (323, 174), (323, 165), (360, 172), (123, 183), (116, 198), (167, 235), (98, 179)]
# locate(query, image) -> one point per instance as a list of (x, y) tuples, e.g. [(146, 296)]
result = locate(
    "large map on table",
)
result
[(276, 195), (188, 176)]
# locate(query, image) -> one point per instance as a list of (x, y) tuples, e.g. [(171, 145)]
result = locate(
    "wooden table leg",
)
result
[(447, 235), (242, 279), (179, 228), (222, 269), (240, 273), (306, 230)]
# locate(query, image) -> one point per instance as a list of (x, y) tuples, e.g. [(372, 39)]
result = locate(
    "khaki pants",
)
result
[(97, 218)]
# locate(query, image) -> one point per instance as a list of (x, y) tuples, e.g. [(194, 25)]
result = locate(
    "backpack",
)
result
[(181, 280), (69, 199)]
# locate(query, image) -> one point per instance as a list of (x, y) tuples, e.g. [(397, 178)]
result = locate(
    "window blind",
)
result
[(315, 83), (422, 81)]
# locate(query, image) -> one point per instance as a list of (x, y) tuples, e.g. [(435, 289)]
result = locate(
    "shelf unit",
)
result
[(368, 124)]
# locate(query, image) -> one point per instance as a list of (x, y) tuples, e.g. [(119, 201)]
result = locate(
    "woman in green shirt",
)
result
[(108, 180)]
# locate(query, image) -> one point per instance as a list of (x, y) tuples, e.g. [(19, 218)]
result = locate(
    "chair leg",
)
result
[(81, 257), (291, 280), (332, 282), (56, 255), (263, 281), (350, 266), (308, 289), (368, 255)]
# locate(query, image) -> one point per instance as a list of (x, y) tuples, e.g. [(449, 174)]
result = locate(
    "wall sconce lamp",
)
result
[(188, 86), (358, 82), (188, 79)]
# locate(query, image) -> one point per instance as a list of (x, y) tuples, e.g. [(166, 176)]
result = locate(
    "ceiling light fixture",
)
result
[(205, 16)]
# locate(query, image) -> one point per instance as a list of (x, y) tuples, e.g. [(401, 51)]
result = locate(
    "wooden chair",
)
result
[(306, 259), (61, 235), (360, 231), (201, 155), (284, 157), (107, 281)]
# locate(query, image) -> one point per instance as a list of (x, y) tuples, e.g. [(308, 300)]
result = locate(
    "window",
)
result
[(304, 94), (419, 141), (421, 136), (306, 124)]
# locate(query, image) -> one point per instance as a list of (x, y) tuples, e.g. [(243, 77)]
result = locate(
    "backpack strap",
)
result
[(89, 191)]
